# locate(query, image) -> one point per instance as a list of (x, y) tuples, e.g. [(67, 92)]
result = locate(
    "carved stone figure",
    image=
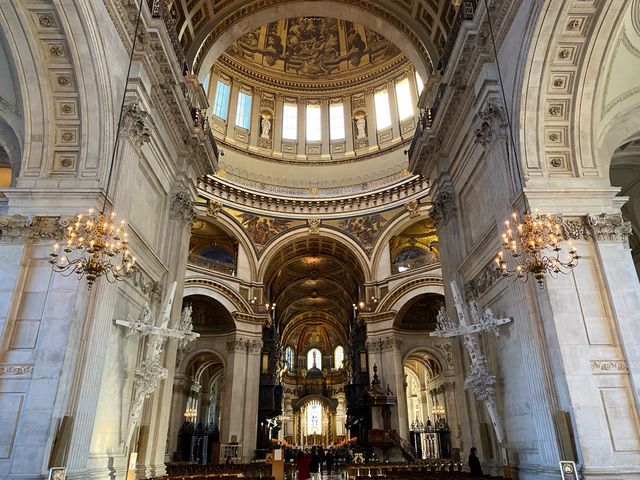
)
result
[(361, 125), (266, 127)]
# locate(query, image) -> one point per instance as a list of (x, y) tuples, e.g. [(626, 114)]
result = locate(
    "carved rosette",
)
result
[(182, 208), (443, 207), (135, 125), (18, 228)]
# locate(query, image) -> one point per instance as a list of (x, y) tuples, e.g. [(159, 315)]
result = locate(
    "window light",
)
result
[(383, 114)]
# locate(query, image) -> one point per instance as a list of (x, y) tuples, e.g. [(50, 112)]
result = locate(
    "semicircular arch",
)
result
[(407, 291), (228, 297)]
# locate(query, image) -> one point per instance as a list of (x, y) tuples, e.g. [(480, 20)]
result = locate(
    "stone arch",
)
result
[(217, 35), (229, 298), (331, 235), (188, 359), (234, 230), (439, 355), (556, 143), (396, 226), (405, 292)]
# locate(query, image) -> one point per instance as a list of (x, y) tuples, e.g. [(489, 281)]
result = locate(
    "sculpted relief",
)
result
[(312, 46)]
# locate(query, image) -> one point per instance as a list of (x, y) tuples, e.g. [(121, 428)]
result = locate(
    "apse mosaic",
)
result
[(313, 47)]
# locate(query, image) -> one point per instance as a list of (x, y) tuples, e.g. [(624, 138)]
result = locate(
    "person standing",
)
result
[(302, 466), (474, 463), (329, 459), (314, 466)]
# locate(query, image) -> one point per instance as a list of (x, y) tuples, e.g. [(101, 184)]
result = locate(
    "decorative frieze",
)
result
[(443, 206), (600, 367), (610, 228), (20, 371), (481, 283), (240, 344), (149, 287), (182, 208), (383, 344), (20, 228)]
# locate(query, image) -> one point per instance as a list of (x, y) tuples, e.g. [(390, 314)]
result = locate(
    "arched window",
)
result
[(314, 359), (338, 357), (314, 418), (288, 357)]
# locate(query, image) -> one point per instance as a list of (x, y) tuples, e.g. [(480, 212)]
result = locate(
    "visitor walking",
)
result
[(302, 466), (474, 463)]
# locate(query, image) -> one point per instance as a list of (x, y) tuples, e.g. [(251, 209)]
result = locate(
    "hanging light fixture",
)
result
[(535, 244), (528, 241), (96, 245)]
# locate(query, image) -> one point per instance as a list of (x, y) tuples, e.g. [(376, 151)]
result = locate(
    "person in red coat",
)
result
[(302, 466)]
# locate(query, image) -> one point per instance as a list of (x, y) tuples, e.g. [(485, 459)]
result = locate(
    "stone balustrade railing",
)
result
[(210, 264), (218, 189)]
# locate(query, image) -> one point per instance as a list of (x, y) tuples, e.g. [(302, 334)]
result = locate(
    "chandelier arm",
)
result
[(124, 97)]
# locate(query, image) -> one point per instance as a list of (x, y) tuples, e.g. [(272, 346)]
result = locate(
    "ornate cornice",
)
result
[(350, 202), (443, 207), (20, 228)]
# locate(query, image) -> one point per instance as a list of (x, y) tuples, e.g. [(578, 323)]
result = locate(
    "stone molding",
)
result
[(149, 287), (20, 228), (443, 207), (445, 350), (609, 228), (383, 344), (241, 344), (135, 125), (394, 295), (599, 367), (16, 371), (182, 208), (261, 198)]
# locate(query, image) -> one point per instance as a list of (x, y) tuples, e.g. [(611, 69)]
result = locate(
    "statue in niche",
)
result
[(265, 127), (361, 125)]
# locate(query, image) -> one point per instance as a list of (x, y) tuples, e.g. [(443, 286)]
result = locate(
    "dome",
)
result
[(312, 107)]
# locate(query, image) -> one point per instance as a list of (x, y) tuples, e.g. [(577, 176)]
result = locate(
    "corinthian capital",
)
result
[(443, 206), (609, 228), (20, 228), (182, 208), (135, 125)]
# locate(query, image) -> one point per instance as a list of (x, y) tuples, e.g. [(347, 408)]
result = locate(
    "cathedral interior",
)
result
[(231, 230)]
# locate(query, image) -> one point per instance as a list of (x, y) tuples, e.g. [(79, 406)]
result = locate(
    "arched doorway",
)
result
[(198, 389)]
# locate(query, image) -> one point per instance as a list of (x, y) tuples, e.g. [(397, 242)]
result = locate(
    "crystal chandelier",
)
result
[(95, 247), (535, 245)]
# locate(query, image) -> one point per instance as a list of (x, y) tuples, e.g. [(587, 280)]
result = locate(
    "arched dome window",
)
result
[(288, 357), (338, 357), (314, 359)]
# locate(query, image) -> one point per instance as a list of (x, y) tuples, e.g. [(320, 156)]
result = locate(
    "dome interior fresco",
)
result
[(312, 52)]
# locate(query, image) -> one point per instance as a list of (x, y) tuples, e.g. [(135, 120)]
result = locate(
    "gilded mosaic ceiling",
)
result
[(304, 49)]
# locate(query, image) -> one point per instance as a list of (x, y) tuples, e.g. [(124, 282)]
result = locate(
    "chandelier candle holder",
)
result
[(190, 414), (438, 411), (95, 247), (535, 244)]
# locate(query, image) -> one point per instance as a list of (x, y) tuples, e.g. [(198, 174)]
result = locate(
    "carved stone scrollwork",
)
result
[(213, 208), (149, 287), (314, 226), (443, 207), (383, 344), (182, 208), (574, 228), (487, 277), (445, 348), (134, 125), (16, 370), (490, 121), (413, 207), (250, 345), (609, 228), (18, 228)]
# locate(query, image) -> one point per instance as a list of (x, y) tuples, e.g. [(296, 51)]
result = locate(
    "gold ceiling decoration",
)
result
[(304, 49)]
